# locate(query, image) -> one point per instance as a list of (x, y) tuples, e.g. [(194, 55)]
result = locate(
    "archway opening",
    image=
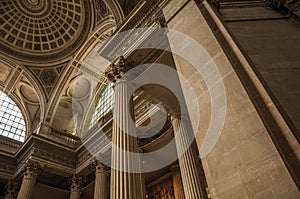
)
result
[(12, 123)]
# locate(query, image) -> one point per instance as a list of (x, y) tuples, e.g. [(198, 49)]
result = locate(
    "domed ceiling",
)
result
[(36, 30)]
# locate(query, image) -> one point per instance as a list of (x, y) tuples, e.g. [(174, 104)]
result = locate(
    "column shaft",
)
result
[(193, 183), (75, 194), (177, 182), (101, 190), (27, 186), (143, 186), (75, 187), (124, 183), (29, 179)]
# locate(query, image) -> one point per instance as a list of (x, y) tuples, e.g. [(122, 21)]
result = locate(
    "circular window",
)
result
[(12, 124)]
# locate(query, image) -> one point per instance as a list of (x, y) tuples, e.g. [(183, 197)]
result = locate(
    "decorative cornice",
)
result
[(53, 157), (146, 15), (7, 168), (8, 142)]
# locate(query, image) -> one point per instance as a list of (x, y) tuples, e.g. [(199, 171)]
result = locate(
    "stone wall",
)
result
[(273, 46), (244, 163)]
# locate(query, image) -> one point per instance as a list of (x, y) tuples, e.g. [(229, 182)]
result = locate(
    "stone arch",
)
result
[(104, 30), (18, 84)]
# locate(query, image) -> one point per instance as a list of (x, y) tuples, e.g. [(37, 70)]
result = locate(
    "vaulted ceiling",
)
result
[(44, 31), (38, 41)]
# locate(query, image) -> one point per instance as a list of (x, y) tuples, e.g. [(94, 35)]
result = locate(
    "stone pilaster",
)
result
[(125, 184), (11, 190), (177, 182), (194, 186), (29, 179), (101, 190), (75, 187)]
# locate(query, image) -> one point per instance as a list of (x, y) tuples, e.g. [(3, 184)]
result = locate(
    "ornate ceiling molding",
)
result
[(103, 31), (48, 76), (115, 9), (36, 30)]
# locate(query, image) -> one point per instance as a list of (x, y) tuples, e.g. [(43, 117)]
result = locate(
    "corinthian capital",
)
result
[(98, 166), (117, 70), (31, 168), (11, 189), (76, 182)]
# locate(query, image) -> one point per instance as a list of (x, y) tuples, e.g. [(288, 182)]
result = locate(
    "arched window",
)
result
[(105, 104), (12, 123)]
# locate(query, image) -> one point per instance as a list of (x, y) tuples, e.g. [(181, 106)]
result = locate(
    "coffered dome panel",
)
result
[(43, 29)]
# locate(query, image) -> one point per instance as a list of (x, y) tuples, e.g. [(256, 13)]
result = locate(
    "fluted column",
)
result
[(193, 183), (11, 190), (143, 187), (125, 184), (29, 180), (177, 182), (101, 190), (143, 181), (75, 187)]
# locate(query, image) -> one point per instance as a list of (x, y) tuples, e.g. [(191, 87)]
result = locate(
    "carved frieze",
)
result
[(50, 156), (7, 167), (83, 156)]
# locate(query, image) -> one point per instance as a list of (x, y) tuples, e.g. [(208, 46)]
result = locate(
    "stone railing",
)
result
[(47, 131), (64, 136)]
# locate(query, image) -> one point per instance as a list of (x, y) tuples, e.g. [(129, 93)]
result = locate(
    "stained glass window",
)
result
[(105, 104), (12, 123)]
